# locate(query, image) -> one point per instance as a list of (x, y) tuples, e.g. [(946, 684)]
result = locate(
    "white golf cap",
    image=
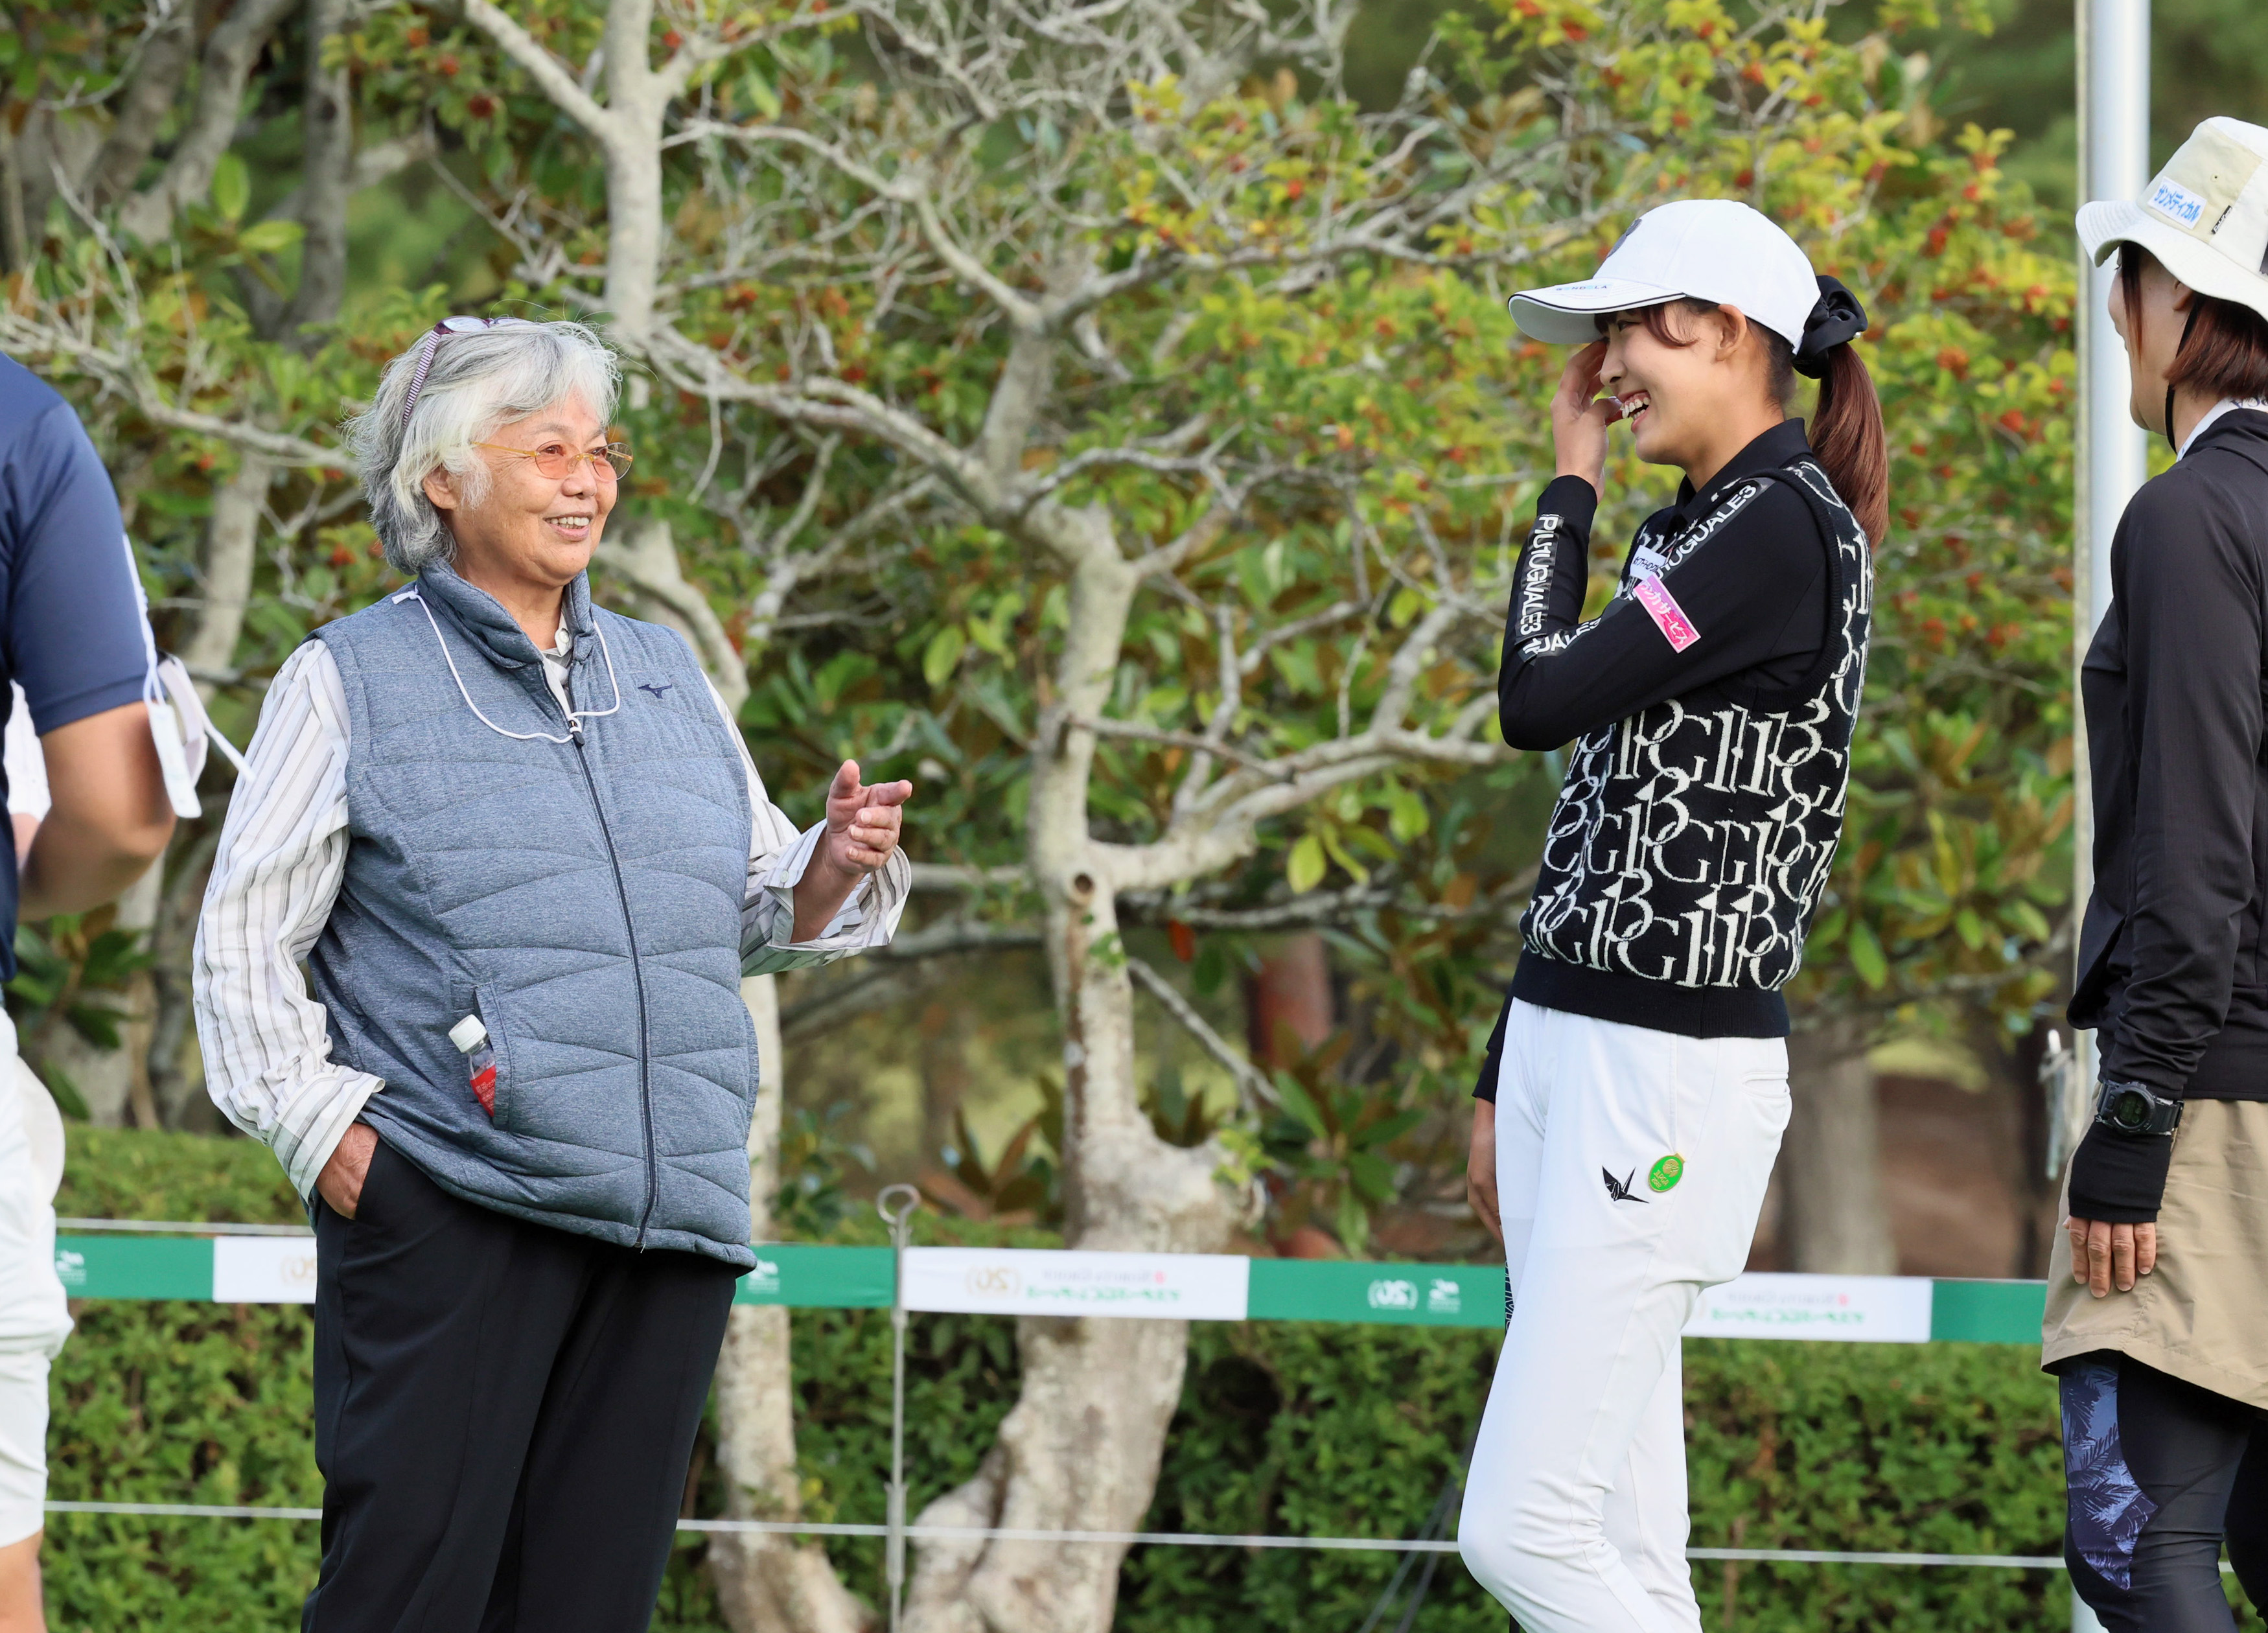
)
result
[(2205, 217), (1709, 249)]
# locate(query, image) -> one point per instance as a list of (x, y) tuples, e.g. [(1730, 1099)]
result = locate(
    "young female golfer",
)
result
[(1637, 1076), (2161, 1335)]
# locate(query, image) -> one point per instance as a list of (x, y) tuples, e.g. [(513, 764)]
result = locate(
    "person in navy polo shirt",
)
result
[(73, 637)]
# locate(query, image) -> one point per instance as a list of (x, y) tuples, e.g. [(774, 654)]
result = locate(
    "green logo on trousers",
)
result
[(1665, 1174)]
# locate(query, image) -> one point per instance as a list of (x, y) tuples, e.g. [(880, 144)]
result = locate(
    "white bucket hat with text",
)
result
[(2205, 216)]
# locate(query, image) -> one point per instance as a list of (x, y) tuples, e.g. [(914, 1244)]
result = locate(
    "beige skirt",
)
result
[(2202, 1315)]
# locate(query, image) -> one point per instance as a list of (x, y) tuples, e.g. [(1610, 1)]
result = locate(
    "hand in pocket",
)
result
[(340, 1183)]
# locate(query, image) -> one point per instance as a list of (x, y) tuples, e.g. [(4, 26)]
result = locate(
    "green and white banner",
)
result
[(1203, 1287)]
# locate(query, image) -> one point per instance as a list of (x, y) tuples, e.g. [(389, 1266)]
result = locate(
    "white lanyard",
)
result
[(575, 716)]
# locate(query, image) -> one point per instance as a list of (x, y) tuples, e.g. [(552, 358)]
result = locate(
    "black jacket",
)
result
[(2171, 966)]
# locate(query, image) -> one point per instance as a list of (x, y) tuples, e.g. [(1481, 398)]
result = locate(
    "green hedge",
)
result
[(1283, 1427)]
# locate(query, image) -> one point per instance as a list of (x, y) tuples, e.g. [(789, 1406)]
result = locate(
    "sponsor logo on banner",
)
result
[(1852, 1309), (70, 1267), (764, 1278), (1166, 1286), (1392, 1294), (263, 1269), (992, 1281), (1445, 1298)]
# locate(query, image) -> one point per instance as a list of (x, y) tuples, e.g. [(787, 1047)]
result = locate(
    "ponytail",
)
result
[(1847, 433), (1847, 436)]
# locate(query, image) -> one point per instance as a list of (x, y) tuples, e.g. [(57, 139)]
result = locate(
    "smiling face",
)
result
[(521, 528), (1680, 401)]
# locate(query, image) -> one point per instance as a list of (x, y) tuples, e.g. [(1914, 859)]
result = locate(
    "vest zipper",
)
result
[(637, 979)]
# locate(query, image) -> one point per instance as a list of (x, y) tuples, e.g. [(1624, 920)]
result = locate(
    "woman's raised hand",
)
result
[(862, 822), (1580, 417)]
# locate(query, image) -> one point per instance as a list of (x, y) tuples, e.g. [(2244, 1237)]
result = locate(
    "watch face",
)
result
[(2128, 1110)]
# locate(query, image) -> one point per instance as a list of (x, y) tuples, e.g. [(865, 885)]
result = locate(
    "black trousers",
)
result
[(2161, 1473), (504, 1415)]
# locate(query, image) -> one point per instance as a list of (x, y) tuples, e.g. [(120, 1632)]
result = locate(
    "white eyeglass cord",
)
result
[(574, 716)]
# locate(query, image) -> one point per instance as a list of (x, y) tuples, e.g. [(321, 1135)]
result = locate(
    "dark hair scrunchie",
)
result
[(1836, 320)]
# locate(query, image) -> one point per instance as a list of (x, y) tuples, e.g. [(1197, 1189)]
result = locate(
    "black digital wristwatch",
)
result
[(2136, 1109)]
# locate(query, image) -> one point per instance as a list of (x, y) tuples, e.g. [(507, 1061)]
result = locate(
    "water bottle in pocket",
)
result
[(472, 1041)]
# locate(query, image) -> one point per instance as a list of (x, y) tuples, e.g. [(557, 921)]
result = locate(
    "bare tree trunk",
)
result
[(176, 1091), (1835, 1218), (139, 115), (328, 134), (1288, 1000), (945, 1076), (767, 1583), (232, 546), (15, 230), (1080, 1450), (231, 52)]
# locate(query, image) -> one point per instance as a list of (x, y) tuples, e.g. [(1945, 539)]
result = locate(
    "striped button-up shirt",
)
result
[(282, 857)]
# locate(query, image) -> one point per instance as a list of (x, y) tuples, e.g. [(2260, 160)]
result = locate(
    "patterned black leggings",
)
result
[(2160, 1473)]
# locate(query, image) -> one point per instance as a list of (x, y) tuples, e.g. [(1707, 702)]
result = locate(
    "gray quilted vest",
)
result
[(582, 896)]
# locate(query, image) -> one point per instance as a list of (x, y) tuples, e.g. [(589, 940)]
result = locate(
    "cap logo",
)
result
[(2176, 203)]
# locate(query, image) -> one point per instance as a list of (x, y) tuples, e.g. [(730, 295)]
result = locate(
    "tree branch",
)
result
[(229, 55), (942, 876), (551, 75), (328, 141), (152, 90), (1252, 1083)]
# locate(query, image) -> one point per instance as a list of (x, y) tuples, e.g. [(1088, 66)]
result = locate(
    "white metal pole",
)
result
[(896, 1205), (2113, 453), (2114, 162), (2114, 56)]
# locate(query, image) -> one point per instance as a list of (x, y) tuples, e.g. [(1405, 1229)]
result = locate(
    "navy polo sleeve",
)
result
[(71, 625)]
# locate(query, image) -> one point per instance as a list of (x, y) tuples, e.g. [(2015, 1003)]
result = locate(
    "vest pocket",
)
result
[(485, 1069)]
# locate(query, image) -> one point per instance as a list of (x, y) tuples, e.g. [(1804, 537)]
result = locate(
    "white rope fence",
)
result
[(1155, 1539)]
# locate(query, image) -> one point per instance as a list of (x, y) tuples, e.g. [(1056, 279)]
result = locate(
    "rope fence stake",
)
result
[(896, 1205)]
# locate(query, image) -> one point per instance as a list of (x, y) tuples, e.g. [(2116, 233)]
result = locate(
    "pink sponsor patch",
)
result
[(1667, 615)]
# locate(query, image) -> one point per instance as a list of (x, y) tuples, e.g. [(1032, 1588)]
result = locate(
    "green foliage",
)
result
[(1328, 1142), (816, 1156), (70, 971), (182, 1403), (133, 1173)]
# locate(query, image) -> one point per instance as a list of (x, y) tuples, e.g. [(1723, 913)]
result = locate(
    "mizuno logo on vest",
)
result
[(648, 686)]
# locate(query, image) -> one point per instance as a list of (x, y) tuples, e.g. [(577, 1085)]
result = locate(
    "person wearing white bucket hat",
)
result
[(1636, 1089), (2158, 1338)]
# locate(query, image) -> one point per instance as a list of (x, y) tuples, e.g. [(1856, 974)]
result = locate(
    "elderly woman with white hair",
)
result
[(527, 858)]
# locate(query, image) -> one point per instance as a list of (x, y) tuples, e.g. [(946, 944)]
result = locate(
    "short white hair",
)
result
[(471, 381)]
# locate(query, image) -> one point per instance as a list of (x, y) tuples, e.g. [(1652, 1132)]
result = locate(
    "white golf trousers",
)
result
[(35, 1317), (1631, 1168)]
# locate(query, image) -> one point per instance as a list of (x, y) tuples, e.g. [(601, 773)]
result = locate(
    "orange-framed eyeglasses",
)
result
[(556, 461)]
